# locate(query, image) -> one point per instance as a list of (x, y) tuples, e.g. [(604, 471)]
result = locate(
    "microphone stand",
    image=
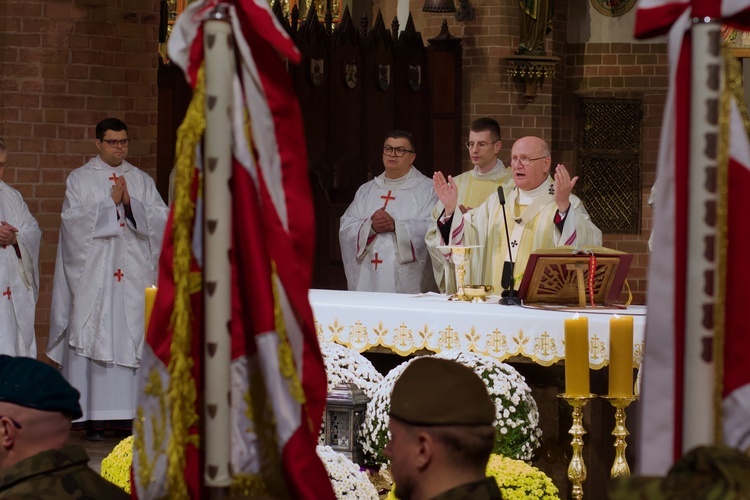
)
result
[(512, 298)]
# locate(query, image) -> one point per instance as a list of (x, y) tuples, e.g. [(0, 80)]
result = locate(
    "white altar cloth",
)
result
[(406, 323)]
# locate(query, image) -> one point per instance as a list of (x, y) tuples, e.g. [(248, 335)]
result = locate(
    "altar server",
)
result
[(113, 220), (540, 213), (474, 187), (382, 233), (19, 269)]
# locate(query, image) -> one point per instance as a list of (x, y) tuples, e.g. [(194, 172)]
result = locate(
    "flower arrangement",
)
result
[(116, 465), (517, 415), (519, 480), (344, 364), (346, 478)]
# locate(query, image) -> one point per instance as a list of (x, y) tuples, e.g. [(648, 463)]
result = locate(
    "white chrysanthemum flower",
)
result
[(347, 479), (517, 415)]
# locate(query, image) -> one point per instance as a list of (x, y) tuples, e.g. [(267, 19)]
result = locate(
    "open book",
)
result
[(561, 275)]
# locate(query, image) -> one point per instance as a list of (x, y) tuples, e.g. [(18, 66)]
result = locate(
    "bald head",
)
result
[(531, 162), (24, 432)]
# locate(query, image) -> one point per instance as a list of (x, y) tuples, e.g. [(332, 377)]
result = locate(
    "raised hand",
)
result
[(446, 191), (563, 187)]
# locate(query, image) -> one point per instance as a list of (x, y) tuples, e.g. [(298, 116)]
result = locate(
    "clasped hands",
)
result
[(382, 222), (120, 192), (7, 234)]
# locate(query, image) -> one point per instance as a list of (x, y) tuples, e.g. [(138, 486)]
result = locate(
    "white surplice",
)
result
[(104, 263), (473, 188), (531, 226), (395, 261), (19, 276)]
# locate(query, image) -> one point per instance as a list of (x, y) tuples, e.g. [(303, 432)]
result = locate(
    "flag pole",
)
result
[(217, 227), (702, 257)]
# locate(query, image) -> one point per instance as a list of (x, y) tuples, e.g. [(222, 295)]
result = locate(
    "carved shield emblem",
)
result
[(415, 76), (384, 76), (350, 73), (316, 71)]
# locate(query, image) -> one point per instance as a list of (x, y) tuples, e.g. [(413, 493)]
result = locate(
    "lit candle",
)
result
[(621, 356), (577, 356), (150, 299)]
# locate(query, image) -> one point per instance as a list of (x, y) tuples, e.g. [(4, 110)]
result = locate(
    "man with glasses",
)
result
[(382, 232), (541, 213), (20, 238), (113, 220), (36, 460), (474, 187)]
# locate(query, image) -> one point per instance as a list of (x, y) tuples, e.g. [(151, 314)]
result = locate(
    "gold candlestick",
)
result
[(620, 432), (577, 466)]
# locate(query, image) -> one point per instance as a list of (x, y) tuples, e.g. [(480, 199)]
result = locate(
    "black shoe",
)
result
[(94, 435)]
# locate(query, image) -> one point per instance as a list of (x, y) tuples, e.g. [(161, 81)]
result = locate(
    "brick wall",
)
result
[(66, 64)]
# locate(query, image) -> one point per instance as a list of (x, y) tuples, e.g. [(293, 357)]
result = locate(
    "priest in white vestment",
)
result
[(20, 238), (540, 213), (382, 233), (113, 222), (474, 187)]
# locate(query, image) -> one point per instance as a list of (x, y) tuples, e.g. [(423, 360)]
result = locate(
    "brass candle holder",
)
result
[(577, 467), (620, 466)]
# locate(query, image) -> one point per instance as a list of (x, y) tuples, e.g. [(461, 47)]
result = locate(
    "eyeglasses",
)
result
[(523, 160), (15, 424), (480, 145), (398, 152), (113, 143)]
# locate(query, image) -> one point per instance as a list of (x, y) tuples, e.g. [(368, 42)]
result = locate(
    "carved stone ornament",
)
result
[(415, 76), (316, 71), (350, 72), (384, 76), (612, 8), (531, 70)]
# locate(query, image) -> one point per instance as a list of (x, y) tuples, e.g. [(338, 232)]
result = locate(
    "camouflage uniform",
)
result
[(58, 474), (486, 489), (706, 472)]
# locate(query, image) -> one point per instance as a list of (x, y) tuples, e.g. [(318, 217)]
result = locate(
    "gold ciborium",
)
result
[(460, 258), (478, 293)]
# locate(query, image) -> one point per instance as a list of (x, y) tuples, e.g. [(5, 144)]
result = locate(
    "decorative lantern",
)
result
[(345, 412)]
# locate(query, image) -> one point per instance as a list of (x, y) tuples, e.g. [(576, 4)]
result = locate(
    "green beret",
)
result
[(33, 384), (434, 391)]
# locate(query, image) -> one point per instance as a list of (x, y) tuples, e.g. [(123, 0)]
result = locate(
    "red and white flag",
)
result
[(667, 417), (278, 385)]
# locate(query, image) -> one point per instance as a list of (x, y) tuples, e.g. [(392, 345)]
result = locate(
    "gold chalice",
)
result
[(478, 293)]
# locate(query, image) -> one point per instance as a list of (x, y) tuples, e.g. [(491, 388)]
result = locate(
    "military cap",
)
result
[(435, 391), (33, 384)]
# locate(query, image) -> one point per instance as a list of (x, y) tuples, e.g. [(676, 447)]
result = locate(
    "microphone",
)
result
[(510, 296)]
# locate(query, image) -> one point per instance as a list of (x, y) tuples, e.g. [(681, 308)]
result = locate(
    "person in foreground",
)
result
[(36, 408), (541, 213), (442, 433), (474, 187), (382, 232)]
